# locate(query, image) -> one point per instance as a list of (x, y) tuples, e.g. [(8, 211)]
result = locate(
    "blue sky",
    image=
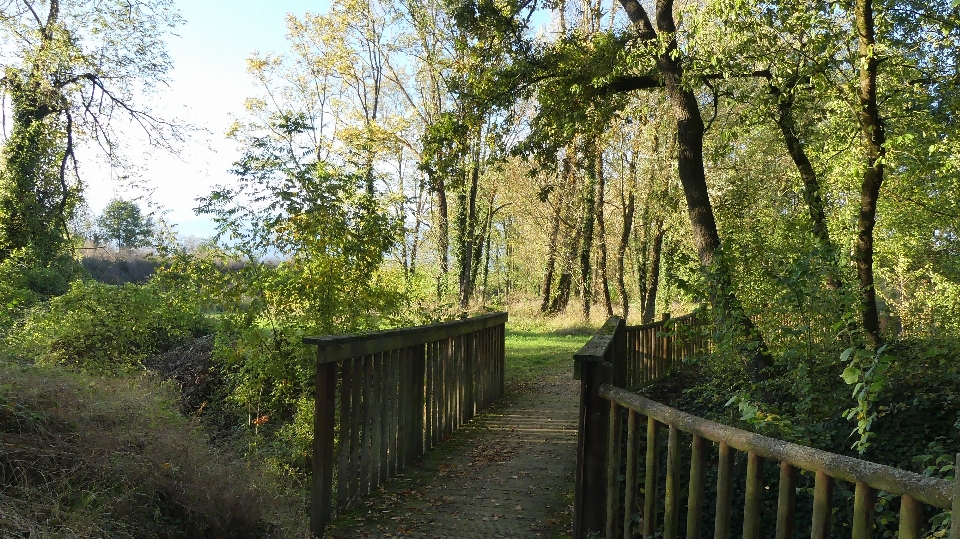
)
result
[(208, 83)]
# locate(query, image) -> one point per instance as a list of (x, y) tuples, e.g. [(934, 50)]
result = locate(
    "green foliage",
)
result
[(99, 327), (25, 280), (867, 372), (123, 222)]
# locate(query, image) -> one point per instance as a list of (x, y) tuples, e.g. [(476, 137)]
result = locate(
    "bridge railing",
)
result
[(384, 398), (619, 495), (655, 350)]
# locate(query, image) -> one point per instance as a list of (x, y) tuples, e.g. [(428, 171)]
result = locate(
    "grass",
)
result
[(84, 456), (541, 348)]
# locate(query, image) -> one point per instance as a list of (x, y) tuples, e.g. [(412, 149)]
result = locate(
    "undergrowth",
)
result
[(86, 456)]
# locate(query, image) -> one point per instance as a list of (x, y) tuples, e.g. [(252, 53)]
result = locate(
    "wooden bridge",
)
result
[(385, 399)]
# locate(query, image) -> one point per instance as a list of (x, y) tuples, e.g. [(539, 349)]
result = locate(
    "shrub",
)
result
[(102, 327)]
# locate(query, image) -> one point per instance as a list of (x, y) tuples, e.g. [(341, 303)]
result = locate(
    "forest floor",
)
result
[(507, 474)]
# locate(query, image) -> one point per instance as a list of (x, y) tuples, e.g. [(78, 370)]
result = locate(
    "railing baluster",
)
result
[(380, 419), (613, 472), (630, 489), (751, 504), (651, 478), (322, 488), (863, 505), (346, 426), (955, 510), (357, 429), (787, 501), (822, 506), (671, 517), (724, 492), (696, 488), (366, 460), (910, 516)]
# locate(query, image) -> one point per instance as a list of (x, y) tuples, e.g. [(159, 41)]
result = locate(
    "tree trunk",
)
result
[(602, 238), (565, 284), (586, 230), (874, 137), (439, 188), (551, 261), (466, 224), (650, 305), (811, 184), (622, 251), (690, 130)]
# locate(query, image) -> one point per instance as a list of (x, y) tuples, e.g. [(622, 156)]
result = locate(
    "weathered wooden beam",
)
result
[(333, 348)]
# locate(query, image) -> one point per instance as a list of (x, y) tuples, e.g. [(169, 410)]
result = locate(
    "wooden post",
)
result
[(630, 490), (724, 492), (613, 473), (910, 516), (589, 504), (651, 479), (955, 506), (323, 425), (787, 501), (671, 506), (751, 504), (865, 499), (822, 506), (696, 494)]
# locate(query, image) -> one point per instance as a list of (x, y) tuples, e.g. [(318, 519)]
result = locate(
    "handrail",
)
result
[(929, 490), (332, 348)]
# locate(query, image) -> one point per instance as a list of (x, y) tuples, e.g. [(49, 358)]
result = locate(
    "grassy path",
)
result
[(506, 474)]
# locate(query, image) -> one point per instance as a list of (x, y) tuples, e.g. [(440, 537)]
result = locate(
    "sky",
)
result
[(208, 83)]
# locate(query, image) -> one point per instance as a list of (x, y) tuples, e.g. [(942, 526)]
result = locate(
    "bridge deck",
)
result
[(507, 474)]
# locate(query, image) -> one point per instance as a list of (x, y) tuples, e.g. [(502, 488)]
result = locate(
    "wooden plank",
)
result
[(417, 369), (911, 516), (822, 506), (864, 502), (393, 403), (724, 492), (383, 416), (429, 399), (696, 488), (324, 422), (356, 431), (335, 348), (346, 428), (630, 488), (651, 479), (787, 501), (613, 473), (754, 491), (366, 439)]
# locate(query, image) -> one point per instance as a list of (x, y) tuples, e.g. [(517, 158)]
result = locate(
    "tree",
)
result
[(123, 222), (69, 72)]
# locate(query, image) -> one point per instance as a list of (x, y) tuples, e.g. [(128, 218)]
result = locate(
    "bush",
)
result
[(103, 328), (24, 281)]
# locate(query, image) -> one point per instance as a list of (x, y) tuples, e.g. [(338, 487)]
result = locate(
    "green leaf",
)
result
[(850, 375)]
